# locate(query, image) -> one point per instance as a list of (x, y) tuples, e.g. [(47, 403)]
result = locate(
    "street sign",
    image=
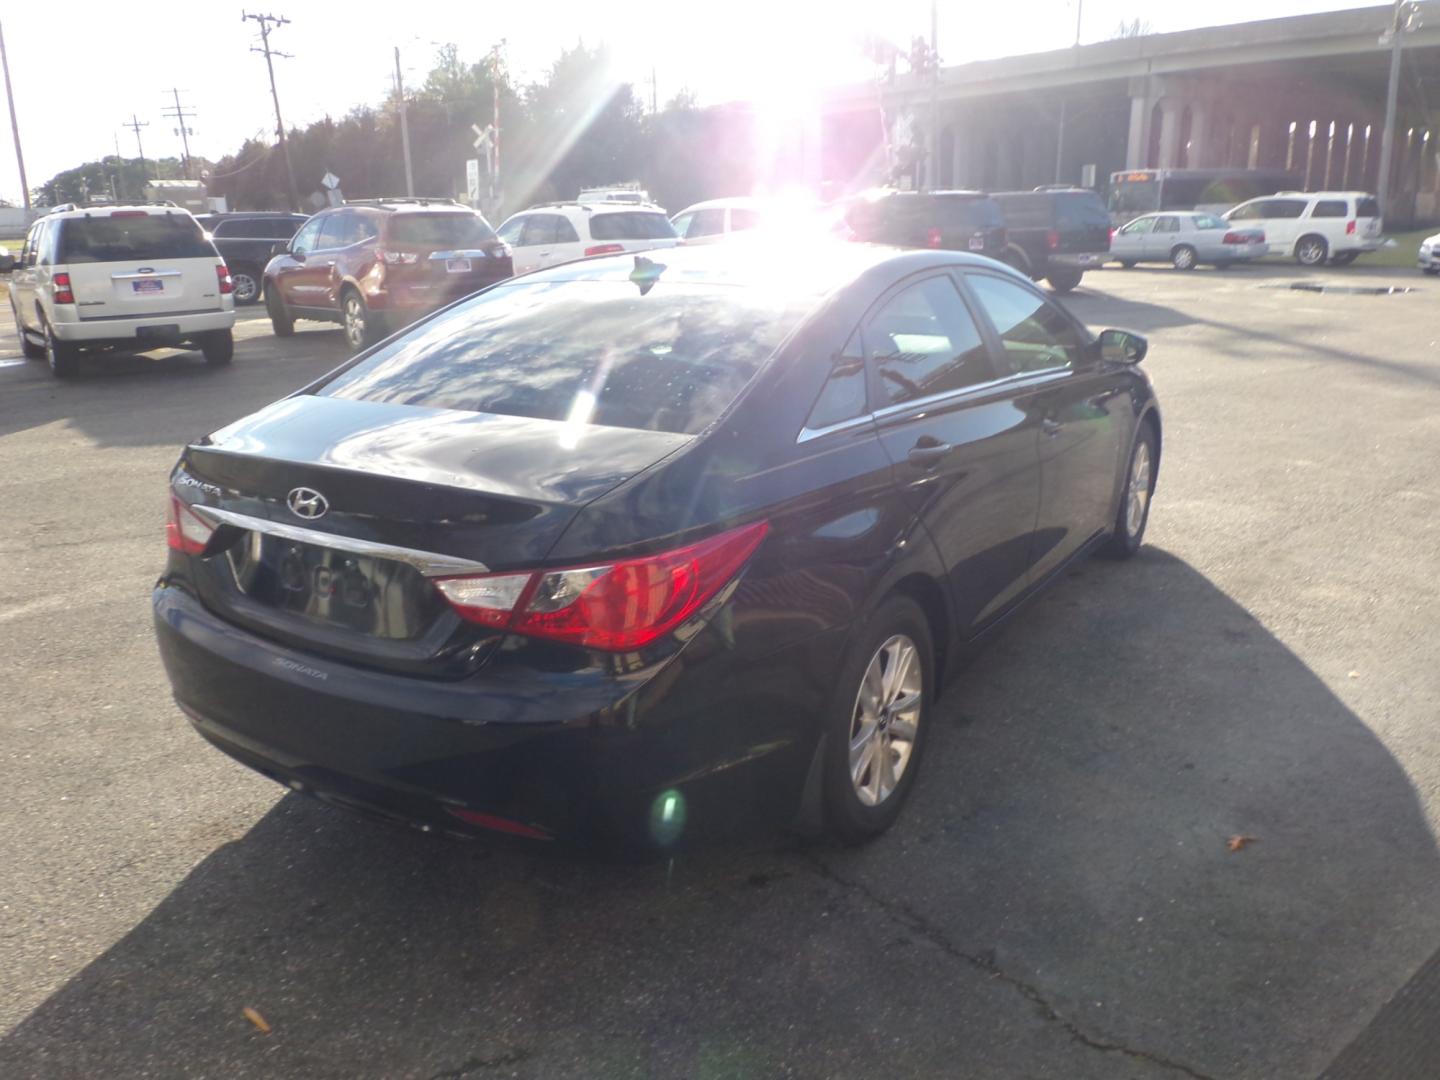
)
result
[(484, 137), (472, 181), (330, 180)]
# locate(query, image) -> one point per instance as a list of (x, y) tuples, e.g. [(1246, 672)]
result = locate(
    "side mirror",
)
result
[(1122, 346)]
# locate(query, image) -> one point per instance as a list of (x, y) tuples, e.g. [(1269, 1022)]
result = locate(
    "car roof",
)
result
[(1325, 194), (751, 261), (106, 211), (735, 202)]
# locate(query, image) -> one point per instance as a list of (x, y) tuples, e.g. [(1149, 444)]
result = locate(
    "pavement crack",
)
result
[(918, 924), (472, 1065)]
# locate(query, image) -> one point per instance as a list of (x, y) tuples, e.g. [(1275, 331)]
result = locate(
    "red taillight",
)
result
[(616, 606), (63, 293), (499, 824), (397, 258), (604, 249), (933, 238), (222, 275), (1233, 238), (1052, 240), (183, 530), (1112, 235), (1349, 228)]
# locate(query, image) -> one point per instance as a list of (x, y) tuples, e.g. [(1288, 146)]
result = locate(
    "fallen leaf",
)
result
[(1235, 843), (256, 1019)]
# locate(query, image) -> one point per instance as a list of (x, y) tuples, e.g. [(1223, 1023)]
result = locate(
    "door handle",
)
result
[(928, 453), (1051, 427)]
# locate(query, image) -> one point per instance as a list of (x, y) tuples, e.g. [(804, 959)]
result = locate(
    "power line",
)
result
[(181, 114), (265, 22)]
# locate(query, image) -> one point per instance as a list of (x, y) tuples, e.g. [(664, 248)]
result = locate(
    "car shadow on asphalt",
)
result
[(1061, 898)]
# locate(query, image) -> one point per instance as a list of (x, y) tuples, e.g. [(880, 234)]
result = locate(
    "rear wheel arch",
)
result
[(929, 595)]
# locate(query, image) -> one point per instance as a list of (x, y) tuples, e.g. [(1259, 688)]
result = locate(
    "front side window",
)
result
[(922, 341), (1283, 209), (338, 231), (843, 395), (682, 224), (307, 236), (510, 231), (1247, 212), (1036, 334)]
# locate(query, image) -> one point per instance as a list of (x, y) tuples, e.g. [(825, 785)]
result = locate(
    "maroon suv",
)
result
[(374, 266)]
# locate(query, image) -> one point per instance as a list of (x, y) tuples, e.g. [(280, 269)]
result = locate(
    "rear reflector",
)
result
[(604, 249), (616, 606), (184, 531), (63, 293), (222, 275), (498, 824)]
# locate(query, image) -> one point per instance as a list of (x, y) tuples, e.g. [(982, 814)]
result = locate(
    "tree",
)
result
[(1131, 28)]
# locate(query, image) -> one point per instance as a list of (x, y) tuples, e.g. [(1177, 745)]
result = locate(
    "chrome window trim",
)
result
[(427, 562), (807, 433), (1023, 380)]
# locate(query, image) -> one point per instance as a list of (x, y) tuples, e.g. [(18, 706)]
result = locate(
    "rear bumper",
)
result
[(593, 755), (1428, 260), (1360, 244), (1082, 260), (130, 331), (412, 301), (1241, 252)]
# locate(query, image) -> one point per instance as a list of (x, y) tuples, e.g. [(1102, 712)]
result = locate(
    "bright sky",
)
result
[(78, 74)]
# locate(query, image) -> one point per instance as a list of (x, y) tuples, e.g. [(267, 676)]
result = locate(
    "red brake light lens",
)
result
[(1052, 240), (222, 275), (618, 606), (1350, 228), (63, 292), (183, 530), (934, 238), (604, 249), (1233, 238)]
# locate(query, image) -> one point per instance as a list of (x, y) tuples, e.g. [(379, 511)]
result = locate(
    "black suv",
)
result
[(951, 220), (1056, 235), (245, 241)]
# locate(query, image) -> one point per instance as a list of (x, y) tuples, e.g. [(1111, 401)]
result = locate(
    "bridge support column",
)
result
[(1169, 133), (1138, 143)]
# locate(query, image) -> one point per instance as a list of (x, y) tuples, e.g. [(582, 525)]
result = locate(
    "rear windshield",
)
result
[(120, 238), (586, 352), (440, 230), (1367, 208), (1078, 209), (633, 226)]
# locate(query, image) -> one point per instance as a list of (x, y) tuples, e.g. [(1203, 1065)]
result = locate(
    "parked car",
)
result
[(1315, 225), (553, 233), (631, 193), (947, 220), (630, 548), (113, 278), (1055, 234), (373, 266), (1185, 240), (705, 222), (1429, 255), (246, 242)]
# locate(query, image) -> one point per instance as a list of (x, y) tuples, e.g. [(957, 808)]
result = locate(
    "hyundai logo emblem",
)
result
[(307, 503)]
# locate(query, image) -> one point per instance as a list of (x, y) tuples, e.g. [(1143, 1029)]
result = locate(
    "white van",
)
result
[(1315, 226), (130, 278)]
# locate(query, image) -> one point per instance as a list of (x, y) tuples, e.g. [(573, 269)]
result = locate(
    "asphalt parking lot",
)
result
[(1059, 900)]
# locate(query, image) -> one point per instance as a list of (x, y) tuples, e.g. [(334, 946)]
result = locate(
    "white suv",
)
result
[(558, 232), (120, 277), (1315, 225)]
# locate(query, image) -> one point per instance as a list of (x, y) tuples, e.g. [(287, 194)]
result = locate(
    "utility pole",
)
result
[(134, 124), (181, 115), (495, 123), (404, 126), (932, 165), (265, 22), (14, 124), (1400, 24), (654, 92), (1064, 98)]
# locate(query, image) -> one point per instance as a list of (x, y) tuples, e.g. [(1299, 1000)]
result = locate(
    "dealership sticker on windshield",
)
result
[(148, 285)]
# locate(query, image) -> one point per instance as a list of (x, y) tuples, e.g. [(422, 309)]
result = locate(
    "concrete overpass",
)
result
[(1305, 93)]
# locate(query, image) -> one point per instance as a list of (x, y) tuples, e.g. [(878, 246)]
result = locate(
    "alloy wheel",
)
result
[(1311, 252), (355, 321), (1137, 498), (246, 287), (885, 719)]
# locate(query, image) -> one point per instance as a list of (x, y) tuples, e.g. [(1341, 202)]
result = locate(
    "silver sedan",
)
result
[(1185, 240)]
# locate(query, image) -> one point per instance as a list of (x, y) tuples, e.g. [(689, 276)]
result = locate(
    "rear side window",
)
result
[(439, 230), (1330, 208), (923, 341), (584, 352), (122, 238), (843, 395), (1036, 334), (1025, 210), (1207, 221), (641, 226), (548, 229), (1367, 207), (1282, 208)]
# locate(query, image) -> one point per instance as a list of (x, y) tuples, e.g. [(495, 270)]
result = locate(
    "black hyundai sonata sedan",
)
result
[(634, 549)]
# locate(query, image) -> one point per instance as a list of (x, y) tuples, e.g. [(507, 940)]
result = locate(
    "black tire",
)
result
[(248, 285), (1432, 270), (280, 321), (1125, 538), (847, 817), (63, 357), (1344, 258), (28, 348), (1015, 258), (1184, 257), (1063, 280), (1126, 264), (1311, 250), (218, 347), (1224, 265), (360, 325)]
